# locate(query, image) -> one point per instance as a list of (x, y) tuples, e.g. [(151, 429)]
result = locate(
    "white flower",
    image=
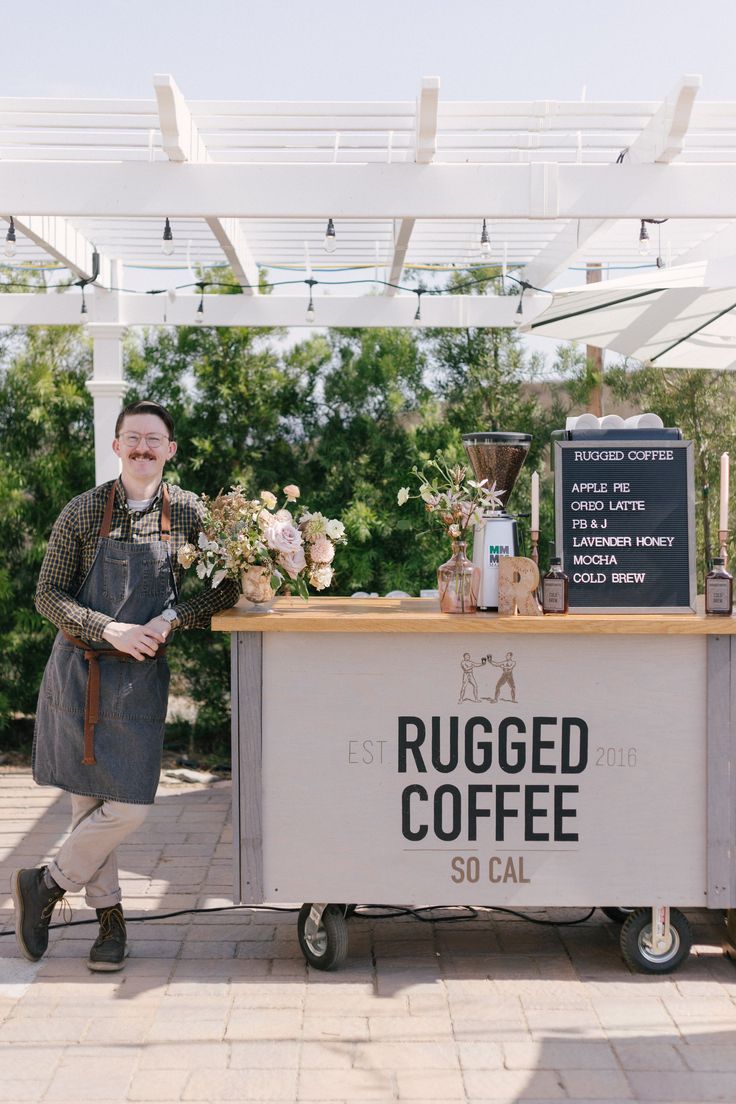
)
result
[(203, 542), (268, 499), (454, 531), (292, 492), (320, 577), (281, 536), (293, 561), (201, 570), (218, 577), (313, 525), (283, 515), (186, 555), (335, 529), (402, 496), (322, 551)]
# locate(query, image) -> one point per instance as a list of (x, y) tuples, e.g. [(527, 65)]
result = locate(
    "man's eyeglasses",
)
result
[(153, 440)]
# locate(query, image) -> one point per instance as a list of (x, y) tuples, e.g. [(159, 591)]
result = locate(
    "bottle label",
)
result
[(717, 595), (553, 591)]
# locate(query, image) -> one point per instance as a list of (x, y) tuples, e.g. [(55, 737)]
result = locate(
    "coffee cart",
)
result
[(385, 752)]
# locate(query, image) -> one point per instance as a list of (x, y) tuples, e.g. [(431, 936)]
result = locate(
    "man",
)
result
[(109, 582), (507, 678)]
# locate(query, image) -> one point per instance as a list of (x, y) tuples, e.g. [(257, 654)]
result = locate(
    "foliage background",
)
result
[(343, 413)]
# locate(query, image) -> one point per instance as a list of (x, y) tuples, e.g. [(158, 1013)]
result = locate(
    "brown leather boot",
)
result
[(110, 949), (34, 904)]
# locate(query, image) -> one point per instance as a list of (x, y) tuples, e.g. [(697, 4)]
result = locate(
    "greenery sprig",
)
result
[(454, 499)]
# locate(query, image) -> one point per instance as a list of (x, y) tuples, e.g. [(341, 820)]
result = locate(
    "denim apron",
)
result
[(100, 718)]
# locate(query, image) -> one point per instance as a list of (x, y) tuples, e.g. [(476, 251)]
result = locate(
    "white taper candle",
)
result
[(723, 523), (535, 501)]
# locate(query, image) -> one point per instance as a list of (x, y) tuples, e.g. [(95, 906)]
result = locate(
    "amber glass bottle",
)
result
[(554, 588), (719, 589)]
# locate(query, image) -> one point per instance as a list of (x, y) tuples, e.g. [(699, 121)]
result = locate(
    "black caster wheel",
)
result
[(323, 944), (618, 915), (637, 947)]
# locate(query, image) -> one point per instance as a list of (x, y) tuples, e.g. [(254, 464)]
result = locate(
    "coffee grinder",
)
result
[(497, 458)]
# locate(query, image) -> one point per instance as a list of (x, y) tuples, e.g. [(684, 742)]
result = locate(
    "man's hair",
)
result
[(146, 406)]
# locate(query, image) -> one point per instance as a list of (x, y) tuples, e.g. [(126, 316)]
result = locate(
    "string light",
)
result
[(418, 313), (644, 240), (519, 313), (167, 242), (485, 241), (310, 315), (84, 280), (199, 316), (330, 239), (10, 239)]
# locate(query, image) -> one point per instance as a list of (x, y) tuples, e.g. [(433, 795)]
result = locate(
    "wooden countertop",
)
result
[(422, 615)]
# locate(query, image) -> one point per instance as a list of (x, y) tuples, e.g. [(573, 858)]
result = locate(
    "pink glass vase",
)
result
[(458, 582)]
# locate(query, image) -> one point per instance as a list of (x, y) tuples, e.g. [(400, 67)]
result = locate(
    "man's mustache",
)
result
[(142, 456)]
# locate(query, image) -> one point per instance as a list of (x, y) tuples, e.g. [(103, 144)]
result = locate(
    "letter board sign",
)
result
[(625, 525)]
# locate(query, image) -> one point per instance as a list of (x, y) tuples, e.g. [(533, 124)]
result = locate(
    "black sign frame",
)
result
[(681, 498)]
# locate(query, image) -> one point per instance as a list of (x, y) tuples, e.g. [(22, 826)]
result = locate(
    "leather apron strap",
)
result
[(92, 655)]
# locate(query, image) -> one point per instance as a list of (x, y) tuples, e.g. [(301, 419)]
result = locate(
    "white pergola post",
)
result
[(108, 388)]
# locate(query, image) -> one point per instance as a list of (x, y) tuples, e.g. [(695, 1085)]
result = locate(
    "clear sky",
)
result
[(355, 49)]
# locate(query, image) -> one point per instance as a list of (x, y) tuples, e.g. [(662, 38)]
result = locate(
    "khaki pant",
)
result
[(86, 859)]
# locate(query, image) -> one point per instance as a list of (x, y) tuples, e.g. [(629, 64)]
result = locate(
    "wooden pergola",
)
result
[(408, 185)]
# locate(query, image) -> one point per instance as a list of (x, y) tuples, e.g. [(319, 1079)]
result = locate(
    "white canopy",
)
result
[(683, 317)]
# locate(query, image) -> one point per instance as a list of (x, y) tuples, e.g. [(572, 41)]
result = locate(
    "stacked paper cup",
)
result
[(614, 421)]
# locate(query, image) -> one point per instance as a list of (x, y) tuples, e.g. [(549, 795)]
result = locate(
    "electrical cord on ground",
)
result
[(389, 912)]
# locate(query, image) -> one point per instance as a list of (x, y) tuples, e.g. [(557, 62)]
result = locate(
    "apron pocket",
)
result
[(114, 581), (136, 691), (64, 682)]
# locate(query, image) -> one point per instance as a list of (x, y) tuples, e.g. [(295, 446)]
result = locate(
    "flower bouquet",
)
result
[(263, 547), (457, 502)]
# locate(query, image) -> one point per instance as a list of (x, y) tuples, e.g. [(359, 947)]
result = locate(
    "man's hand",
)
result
[(160, 626), (138, 641)]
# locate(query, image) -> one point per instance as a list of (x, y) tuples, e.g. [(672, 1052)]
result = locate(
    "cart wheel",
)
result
[(325, 946), (617, 914), (636, 942)]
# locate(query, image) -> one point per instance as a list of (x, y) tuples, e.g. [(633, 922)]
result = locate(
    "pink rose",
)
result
[(293, 561), (322, 551), (292, 492), (282, 537)]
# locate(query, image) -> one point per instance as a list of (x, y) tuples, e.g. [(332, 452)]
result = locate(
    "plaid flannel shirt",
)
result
[(73, 544)]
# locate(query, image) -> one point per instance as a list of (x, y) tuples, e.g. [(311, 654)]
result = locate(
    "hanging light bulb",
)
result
[(167, 242), (83, 311), (644, 242), (330, 239), (418, 312), (310, 315), (10, 239), (199, 316), (519, 313), (485, 241)]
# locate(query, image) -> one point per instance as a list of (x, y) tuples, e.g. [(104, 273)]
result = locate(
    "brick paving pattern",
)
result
[(221, 1006)]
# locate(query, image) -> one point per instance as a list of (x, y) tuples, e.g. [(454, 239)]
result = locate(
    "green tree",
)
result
[(46, 458)]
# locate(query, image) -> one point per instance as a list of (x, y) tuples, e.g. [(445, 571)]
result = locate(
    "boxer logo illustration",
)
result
[(469, 686)]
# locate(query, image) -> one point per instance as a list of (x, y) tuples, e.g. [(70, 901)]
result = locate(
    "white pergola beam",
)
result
[(426, 128), (182, 142), (57, 237), (425, 148), (660, 141), (267, 310), (543, 190)]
